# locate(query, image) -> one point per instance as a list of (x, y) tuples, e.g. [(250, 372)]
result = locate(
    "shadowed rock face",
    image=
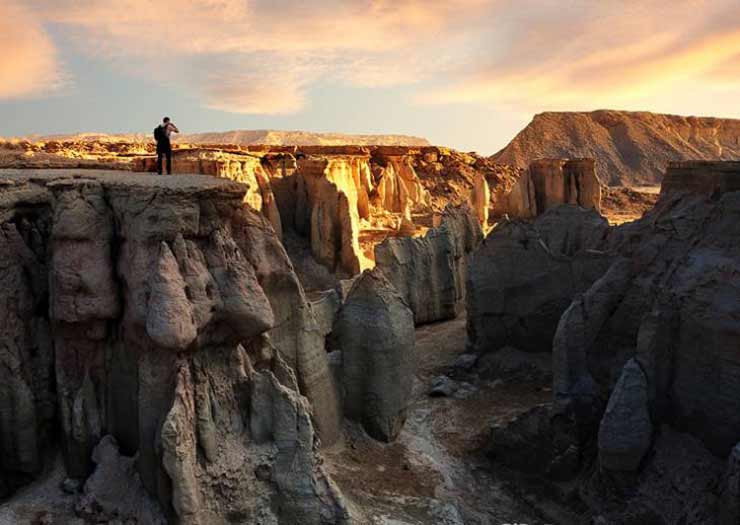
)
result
[(429, 272), (524, 276), (702, 177), (164, 313), (656, 335), (375, 332)]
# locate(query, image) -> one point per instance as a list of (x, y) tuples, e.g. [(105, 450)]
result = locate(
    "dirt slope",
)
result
[(629, 147)]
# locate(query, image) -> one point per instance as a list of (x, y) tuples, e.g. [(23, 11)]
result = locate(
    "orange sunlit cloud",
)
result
[(263, 57), (29, 63)]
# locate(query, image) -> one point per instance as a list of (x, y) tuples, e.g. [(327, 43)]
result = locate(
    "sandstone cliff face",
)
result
[(331, 196), (164, 313), (702, 177), (631, 147), (549, 182)]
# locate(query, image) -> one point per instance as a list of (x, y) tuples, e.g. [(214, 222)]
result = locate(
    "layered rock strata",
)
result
[(703, 177), (550, 182), (164, 313)]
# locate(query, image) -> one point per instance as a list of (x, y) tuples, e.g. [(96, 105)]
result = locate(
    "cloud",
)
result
[(261, 56), (29, 65), (264, 56), (598, 54)]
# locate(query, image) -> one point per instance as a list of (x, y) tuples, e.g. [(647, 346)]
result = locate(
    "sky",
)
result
[(463, 73)]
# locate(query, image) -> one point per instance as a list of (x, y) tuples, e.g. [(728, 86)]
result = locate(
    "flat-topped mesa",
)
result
[(175, 324), (711, 178), (549, 182)]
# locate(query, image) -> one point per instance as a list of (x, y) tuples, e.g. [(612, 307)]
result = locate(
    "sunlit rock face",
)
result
[(550, 182), (331, 196), (165, 313), (346, 199), (632, 147)]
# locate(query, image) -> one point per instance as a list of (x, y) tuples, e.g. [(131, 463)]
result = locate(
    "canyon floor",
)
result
[(436, 471)]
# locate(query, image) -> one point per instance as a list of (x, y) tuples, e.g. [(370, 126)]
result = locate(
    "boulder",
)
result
[(626, 430), (375, 332)]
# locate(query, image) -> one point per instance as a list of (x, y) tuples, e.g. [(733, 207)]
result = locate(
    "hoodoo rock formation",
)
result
[(224, 344), (549, 182), (654, 332), (374, 331), (345, 199), (165, 314)]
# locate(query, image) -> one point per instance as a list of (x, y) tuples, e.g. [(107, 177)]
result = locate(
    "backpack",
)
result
[(159, 134)]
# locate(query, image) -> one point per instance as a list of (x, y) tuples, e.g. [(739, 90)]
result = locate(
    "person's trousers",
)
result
[(164, 152)]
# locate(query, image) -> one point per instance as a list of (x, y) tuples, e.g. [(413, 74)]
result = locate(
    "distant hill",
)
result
[(629, 147), (250, 137)]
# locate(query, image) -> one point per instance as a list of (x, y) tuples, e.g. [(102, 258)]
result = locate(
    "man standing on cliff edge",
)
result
[(164, 147)]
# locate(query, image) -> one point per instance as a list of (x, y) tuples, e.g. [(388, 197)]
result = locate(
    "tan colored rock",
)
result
[(550, 182), (481, 198)]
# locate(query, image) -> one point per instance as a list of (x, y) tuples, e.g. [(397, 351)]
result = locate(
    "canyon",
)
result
[(372, 334)]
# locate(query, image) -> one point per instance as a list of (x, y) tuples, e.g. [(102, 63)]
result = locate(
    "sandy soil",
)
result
[(436, 472)]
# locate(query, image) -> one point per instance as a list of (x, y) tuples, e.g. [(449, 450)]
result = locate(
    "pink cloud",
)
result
[(29, 63), (595, 54)]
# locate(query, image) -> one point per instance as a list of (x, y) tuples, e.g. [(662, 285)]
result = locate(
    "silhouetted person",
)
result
[(164, 147)]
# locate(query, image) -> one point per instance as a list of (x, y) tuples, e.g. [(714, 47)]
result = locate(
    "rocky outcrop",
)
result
[(114, 490), (729, 503), (253, 170), (626, 431), (702, 177), (524, 277), (656, 337), (550, 182), (429, 272), (632, 147), (375, 332), (481, 199), (176, 325)]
